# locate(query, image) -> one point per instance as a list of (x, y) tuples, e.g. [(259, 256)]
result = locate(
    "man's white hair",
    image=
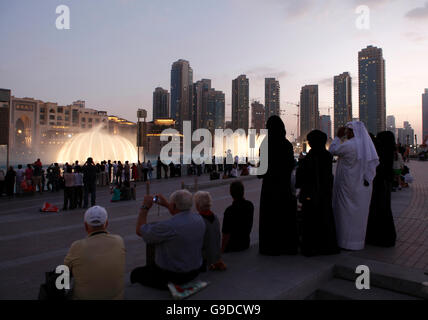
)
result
[(203, 200), (183, 200)]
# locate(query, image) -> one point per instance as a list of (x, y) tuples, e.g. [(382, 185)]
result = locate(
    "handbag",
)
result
[(49, 291)]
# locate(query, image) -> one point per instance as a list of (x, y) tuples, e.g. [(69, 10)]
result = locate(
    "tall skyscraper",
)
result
[(425, 114), (371, 71), (208, 106), (200, 88), (406, 135), (258, 116), (342, 100), (325, 125), (160, 104), (214, 118), (390, 124), (181, 92), (272, 97), (240, 103), (309, 112)]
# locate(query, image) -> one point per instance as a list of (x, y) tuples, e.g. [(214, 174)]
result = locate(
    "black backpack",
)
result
[(48, 290)]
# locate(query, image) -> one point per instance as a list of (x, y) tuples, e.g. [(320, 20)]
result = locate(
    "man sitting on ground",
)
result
[(178, 242), (237, 221), (97, 263)]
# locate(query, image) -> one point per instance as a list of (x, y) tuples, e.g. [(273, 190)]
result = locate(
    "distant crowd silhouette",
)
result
[(78, 182)]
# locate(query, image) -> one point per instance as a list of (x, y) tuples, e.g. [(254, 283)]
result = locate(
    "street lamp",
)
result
[(141, 113)]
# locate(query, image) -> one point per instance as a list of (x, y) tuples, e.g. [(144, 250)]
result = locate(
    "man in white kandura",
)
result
[(352, 191)]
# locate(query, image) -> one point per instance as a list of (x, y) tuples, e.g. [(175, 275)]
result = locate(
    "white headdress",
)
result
[(366, 151)]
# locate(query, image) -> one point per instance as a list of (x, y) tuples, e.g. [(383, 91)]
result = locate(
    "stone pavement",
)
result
[(32, 243), (410, 210)]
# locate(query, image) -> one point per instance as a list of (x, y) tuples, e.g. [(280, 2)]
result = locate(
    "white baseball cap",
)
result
[(96, 216)]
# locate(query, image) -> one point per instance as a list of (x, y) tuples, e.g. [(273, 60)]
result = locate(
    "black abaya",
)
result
[(315, 180), (380, 227), (278, 225)]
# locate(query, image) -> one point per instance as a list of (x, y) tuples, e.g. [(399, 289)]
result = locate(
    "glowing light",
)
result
[(165, 122), (19, 131), (98, 145)]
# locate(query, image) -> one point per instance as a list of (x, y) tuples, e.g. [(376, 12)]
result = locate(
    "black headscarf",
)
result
[(317, 140), (385, 148), (276, 128)]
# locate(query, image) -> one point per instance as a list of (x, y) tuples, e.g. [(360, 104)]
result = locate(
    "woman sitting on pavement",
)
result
[(237, 221), (245, 171), (211, 249), (125, 191), (234, 172), (116, 193)]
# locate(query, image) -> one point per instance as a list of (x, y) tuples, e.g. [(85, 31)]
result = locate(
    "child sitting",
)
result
[(116, 193)]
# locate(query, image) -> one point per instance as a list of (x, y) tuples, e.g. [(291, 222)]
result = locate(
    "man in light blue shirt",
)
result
[(178, 242)]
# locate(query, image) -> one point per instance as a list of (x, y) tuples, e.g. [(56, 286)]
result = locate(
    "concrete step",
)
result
[(403, 280), (250, 276), (338, 289)]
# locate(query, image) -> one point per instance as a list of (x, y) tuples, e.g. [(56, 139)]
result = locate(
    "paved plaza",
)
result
[(32, 243), (410, 210)]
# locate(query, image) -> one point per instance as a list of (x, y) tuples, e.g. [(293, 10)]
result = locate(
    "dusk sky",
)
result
[(118, 51)]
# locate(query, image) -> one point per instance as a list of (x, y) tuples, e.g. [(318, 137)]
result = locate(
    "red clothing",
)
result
[(28, 174), (134, 172)]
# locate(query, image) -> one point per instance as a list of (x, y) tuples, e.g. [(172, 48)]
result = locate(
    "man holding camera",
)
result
[(178, 242)]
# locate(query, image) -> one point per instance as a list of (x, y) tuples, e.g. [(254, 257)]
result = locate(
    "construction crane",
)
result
[(297, 115)]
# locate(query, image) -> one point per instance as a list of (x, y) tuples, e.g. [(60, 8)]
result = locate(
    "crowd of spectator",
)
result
[(35, 178)]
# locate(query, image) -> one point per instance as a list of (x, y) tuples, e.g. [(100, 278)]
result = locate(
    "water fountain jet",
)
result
[(99, 145)]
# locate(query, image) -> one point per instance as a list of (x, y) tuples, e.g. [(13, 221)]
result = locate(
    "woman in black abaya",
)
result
[(315, 180), (278, 225), (380, 227)]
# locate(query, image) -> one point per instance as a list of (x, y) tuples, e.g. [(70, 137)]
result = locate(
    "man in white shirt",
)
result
[(78, 187), (20, 176), (114, 171)]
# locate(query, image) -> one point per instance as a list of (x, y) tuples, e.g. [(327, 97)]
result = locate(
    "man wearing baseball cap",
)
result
[(97, 262)]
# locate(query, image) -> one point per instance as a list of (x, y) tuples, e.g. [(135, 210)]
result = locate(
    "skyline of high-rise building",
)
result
[(390, 124), (372, 102), (181, 92), (240, 102), (425, 114), (309, 112), (406, 134), (161, 104), (272, 97), (342, 100), (258, 116), (214, 118), (325, 125), (200, 88)]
